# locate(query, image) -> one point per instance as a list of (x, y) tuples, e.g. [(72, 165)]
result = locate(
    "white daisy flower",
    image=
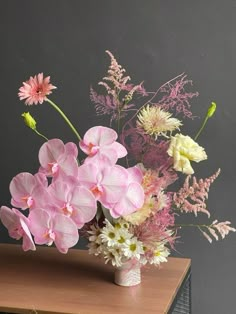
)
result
[(123, 236), (159, 255), (95, 248), (133, 248), (113, 255), (122, 224), (94, 233), (109, 234)]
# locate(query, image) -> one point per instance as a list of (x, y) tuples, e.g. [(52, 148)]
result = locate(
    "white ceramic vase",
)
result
[(129, 274)]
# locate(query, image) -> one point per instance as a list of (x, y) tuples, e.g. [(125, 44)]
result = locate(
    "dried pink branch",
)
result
[(176, 97), (191, 197)]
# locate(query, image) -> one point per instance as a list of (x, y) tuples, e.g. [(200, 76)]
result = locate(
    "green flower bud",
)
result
[(29, 120), (211, 110)]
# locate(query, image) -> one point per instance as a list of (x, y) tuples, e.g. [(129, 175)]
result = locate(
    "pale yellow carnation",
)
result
[(155, 121), (184, 149)]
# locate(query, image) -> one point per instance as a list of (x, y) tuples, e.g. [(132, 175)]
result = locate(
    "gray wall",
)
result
[(155, 41)]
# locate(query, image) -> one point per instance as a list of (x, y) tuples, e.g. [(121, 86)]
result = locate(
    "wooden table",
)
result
[(47, 281)]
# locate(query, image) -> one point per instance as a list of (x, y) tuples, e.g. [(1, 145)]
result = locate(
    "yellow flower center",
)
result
[(111, 235), (121, 240), (132, 247)]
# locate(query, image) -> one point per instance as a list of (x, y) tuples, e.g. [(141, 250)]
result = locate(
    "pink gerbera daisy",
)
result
[(35, 89)]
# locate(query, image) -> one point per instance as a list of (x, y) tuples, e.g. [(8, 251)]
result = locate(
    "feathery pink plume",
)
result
[(191, 198)]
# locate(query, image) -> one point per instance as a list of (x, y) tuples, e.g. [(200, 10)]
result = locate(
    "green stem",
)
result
[(40, 134), (192, 225), (201, 128), (211, 110), (64, 117)]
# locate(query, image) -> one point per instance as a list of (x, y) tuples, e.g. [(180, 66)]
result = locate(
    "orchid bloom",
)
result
[(133, 198), (58, 159), (107, 183), (76, 202), (17, 225), (28, 191), (100, 142), (49, 229)]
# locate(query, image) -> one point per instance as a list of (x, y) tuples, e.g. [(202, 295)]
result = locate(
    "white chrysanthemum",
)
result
[(155, 121), (159, 255), (113, 255), (109, 234), (94, 233), (95, 248), (183, 149), (123, 236), (133, 248)]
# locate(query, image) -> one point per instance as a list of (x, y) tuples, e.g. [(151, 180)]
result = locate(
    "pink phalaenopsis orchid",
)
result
[(74, 201), (48, 228), (107, 183), (100, 142), (36, 89), (28, 191), (58, 159), (133, 197), (18, 226)]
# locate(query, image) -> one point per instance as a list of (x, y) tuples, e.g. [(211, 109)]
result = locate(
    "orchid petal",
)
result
[(71, 149), (50, 152), (120, 149), (84, 204), (132, 200), (100, 136), (20, 188), (66, 233), (114, 182), (39, 225)]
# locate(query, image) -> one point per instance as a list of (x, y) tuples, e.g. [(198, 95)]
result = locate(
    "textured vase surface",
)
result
[(128, 274)]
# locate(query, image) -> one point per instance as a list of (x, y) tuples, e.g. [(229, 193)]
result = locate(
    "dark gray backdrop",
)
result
[(155, 41)]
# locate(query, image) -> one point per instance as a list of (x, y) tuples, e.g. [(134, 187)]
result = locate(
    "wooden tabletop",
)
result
[(46, 281)]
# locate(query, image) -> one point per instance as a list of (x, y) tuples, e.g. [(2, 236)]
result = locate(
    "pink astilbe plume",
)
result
[(216, 229), (191, 197), (119, 94), (115, 75), (36, 89), (176, 97)]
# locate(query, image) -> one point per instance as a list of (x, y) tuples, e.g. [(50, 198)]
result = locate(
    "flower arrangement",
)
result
[(127, 211)]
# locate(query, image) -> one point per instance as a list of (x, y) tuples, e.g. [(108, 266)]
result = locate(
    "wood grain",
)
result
[(46, 281)]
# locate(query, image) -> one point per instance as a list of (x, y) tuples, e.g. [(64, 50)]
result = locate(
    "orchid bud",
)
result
[(211, 110), (29, 120)]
